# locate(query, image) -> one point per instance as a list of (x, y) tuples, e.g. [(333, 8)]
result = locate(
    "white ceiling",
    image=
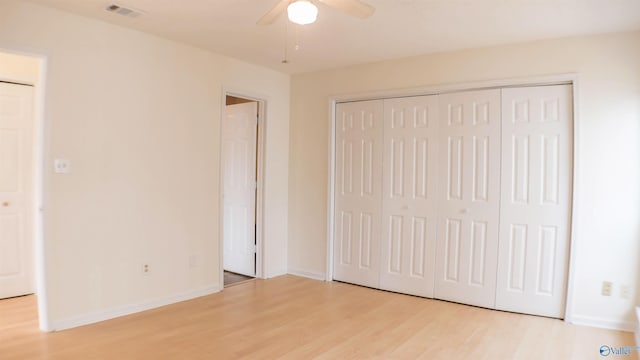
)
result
[(399, 28)]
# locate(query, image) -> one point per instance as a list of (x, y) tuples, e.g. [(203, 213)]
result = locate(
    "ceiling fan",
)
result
[(305, 12)]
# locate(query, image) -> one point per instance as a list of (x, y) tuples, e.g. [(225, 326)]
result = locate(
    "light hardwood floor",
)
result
[(294, 318)]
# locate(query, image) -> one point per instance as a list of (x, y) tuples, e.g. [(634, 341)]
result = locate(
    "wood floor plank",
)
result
[(294, 318)]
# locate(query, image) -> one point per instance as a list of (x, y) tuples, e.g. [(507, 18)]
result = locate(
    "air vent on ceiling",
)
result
[(124, 11)]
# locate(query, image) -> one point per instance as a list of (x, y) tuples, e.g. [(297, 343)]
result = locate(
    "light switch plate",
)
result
[(62, 166)]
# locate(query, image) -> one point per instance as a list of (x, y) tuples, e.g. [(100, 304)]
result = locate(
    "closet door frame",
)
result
[(557, 79)]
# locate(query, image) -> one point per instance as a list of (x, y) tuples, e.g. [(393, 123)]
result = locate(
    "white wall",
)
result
[(139, 118), (607, 218)]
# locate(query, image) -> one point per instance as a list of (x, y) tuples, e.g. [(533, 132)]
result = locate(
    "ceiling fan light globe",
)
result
[(302, 12)]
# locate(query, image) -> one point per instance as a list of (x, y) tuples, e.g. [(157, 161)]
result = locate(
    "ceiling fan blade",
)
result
[(273, 14), (355, 8)]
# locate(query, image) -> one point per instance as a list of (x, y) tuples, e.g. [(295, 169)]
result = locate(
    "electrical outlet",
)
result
[(145, 269), (606, 288), (624, 291), (62, 166)]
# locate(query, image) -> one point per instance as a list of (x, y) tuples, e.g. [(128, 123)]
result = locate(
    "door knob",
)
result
[(6, 203), (465, 211)]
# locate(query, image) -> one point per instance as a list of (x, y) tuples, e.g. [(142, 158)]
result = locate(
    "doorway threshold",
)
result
[(231, 278)]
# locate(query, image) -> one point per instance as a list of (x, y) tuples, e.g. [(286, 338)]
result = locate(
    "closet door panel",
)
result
[(535, 206), (409, 204), (469, 197), (358, 191)]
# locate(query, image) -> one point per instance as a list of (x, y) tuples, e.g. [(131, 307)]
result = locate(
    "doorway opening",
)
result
[(241, 187), (231, 278), (17, 268), (21, 182)]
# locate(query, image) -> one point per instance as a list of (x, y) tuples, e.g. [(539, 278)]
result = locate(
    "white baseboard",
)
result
[(274, 275), (637, 326), (306, 274), (620, 325), (102, 315)]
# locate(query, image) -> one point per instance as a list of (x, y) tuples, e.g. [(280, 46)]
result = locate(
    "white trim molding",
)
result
[(107, 314), (604, 323), (559, 79), (637, 330), (331, 198)]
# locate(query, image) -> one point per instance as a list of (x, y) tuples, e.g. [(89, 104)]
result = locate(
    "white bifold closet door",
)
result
[(469, 197), (536, 196), (358, 190), (409, 203), (463, 196)]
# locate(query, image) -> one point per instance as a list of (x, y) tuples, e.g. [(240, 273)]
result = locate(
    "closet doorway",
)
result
[(463, 196), (17, 200), (22, 175)]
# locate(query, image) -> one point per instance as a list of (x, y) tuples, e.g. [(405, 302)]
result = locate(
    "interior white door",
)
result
[(410, 164), (239, 134), (535, 207), (358, 190), (16, 190), (467, 245)]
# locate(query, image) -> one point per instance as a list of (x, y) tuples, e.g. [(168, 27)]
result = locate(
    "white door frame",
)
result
[(41, 181), (558, 79), (260, 156)]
